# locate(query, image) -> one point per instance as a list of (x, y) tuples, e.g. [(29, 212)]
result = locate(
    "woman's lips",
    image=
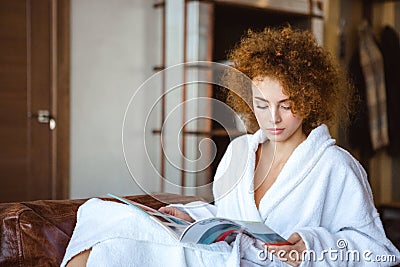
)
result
[(275, 130)]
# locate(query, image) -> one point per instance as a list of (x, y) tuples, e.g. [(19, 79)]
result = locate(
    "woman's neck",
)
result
[(282, 150)]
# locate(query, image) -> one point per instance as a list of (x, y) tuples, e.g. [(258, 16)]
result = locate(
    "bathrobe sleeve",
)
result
[(352, 234)]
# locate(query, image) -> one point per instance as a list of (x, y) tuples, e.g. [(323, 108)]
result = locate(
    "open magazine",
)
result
[(209, 230)]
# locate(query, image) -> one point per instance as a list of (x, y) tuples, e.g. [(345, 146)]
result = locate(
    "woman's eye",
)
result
[(262, 107), (286, 107)]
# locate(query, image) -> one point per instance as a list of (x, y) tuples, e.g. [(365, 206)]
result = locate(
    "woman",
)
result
[(289, 173)]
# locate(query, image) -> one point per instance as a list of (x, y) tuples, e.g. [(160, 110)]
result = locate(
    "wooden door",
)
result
[(34, 68)]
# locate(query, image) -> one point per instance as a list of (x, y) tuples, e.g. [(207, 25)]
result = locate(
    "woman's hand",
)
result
[(177, 213), (291, 254)]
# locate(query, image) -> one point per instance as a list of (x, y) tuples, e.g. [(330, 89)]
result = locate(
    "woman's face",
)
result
[(273, 110)]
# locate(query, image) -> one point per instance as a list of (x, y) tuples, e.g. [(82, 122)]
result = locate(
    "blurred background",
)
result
[(69, 68)]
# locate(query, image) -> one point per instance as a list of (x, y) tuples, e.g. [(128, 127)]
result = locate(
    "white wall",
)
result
[(114, 46)]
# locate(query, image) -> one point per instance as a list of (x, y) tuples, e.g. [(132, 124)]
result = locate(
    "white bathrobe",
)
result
[(322, 193)]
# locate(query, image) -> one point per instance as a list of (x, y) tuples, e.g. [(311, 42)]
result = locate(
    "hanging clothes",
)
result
[(358, 132), (390, 47), (372, 67)]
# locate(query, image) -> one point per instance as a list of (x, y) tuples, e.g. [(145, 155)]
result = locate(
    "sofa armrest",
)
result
[(36, 233)]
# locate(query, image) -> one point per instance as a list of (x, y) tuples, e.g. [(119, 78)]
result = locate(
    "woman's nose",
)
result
[(275, 116)]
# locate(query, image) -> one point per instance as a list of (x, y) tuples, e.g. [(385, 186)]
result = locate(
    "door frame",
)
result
[(61, 98)]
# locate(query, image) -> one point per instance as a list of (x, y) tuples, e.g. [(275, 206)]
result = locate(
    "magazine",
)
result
[(208, 231)]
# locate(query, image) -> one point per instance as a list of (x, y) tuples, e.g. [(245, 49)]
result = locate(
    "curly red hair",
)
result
[(314, 83)]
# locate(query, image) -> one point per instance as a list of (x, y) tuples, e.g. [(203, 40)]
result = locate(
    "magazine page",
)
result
[(172, 224), (210, 230), (262, 232)]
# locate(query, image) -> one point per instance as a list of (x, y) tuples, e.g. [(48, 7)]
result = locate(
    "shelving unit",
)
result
[(206, 30)]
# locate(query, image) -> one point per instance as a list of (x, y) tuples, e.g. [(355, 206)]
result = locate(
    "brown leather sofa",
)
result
[(36, 233)]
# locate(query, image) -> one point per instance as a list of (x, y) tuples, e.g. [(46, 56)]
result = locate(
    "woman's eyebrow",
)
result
[(260, 98)]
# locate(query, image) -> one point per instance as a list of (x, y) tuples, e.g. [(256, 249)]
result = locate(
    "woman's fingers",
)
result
[(291, 254), (176, 213), (294, 238)]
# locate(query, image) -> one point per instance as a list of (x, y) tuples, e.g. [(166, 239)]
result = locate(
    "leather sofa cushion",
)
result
[(36, 233)]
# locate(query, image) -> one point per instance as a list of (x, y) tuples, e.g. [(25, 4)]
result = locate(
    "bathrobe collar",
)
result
[(299, 164)]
